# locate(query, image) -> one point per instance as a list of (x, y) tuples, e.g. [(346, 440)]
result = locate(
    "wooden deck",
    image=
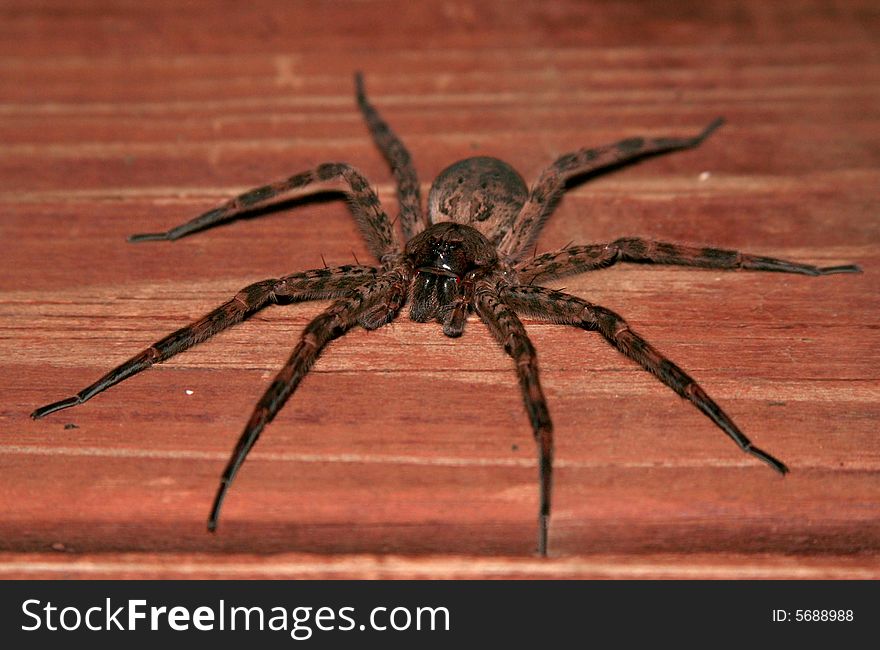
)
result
[(405, 453)]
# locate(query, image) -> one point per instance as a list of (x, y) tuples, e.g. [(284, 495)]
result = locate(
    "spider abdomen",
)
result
[(485, 193)]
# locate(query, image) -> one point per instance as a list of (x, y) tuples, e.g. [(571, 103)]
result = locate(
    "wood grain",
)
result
[(405, 453)]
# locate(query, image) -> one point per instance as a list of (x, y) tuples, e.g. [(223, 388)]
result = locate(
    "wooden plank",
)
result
[(290, 566), (405, 453)]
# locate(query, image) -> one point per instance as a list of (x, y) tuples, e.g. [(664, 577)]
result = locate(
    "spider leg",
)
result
[(455, 317), (551, 183), (560, 307), (508, 330), (308, 285), (364, 203), (335, 321), (577, 259), (412, 219)]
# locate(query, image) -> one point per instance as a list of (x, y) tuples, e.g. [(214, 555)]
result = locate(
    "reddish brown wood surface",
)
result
[(405, 453)]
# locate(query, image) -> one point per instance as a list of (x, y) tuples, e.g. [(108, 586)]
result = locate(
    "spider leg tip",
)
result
[(54, 406), (845, 268), (713, 126), (359, 84), (146, 236), (780, 467), (775, 463), (543, 524)]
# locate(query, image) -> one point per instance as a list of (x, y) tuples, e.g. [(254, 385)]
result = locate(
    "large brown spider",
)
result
[(469, 253)]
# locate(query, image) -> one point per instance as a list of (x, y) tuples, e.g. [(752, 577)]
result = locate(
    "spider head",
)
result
[(485, 193), (447, 259)]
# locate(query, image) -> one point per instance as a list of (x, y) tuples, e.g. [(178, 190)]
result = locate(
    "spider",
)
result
[(470, 252)]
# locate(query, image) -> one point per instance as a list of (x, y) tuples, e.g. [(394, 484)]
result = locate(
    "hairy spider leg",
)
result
[(332, 323), (508, 330), (551, 183), (362, 199), (412, 219), (456, 317), (563, 308), (578, 259), (308, 285)]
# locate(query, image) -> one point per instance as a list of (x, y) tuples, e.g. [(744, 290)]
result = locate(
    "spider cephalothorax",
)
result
[(470, 253), (448, 259)]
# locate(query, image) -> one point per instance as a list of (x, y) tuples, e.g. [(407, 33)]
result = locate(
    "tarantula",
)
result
[(469, 253)]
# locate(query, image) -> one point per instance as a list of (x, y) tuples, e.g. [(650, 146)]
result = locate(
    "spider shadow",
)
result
[(317, 199), (609, 170)]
